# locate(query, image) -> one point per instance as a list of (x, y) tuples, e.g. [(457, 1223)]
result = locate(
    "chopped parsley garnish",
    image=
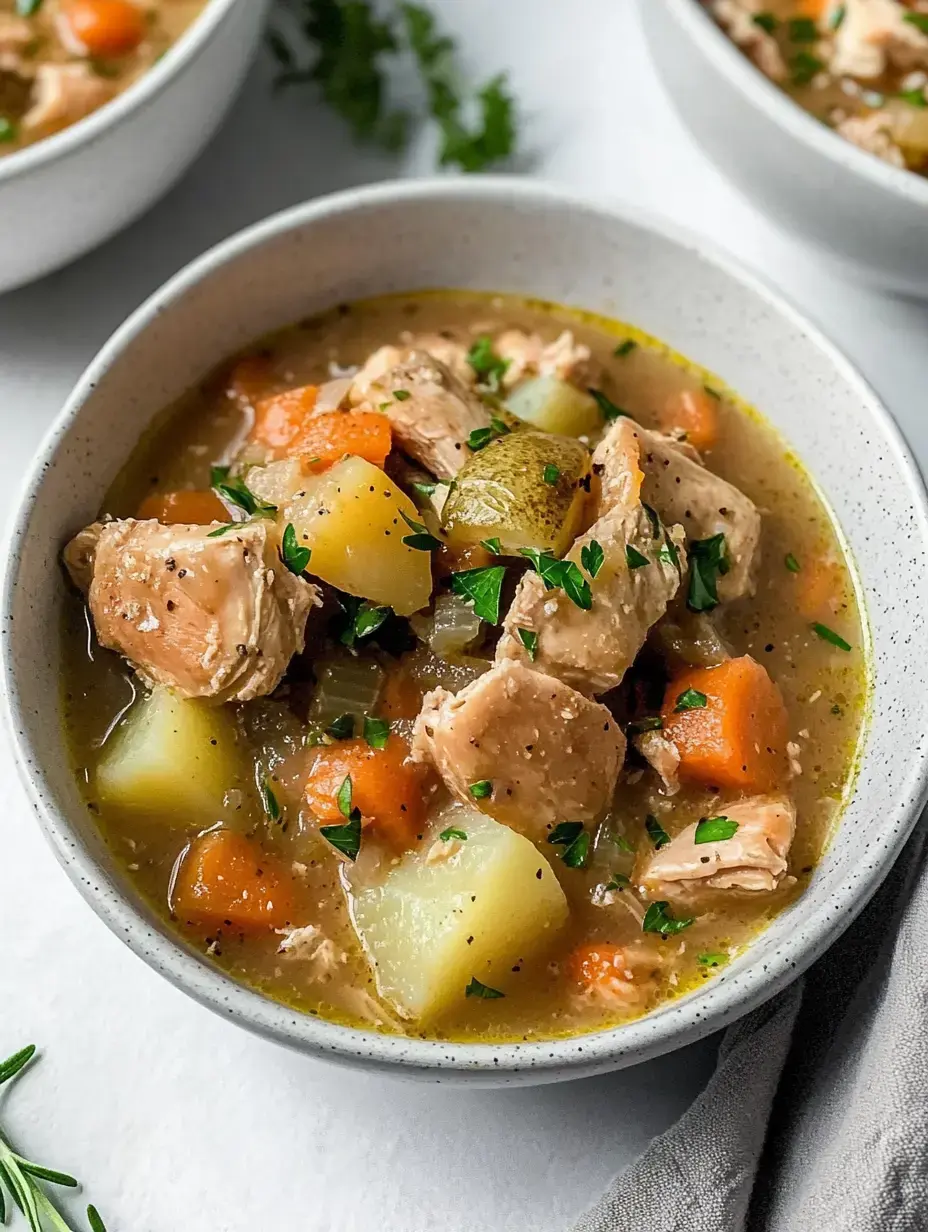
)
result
[(481, 437), (423, 486), (625, 348), (489, 367), (660, 919), (345, 838), (237, 493), (836, 20), (804, 67), (669, 554), (622, 842), (618, 881), (376, 732), (915, 98), (8, 130), (476, 989), (483, 587), (791, 562), (654, 519), (493, 546), (551, 474), (690, 699), (269, 800), (592, 557), (481, 789), (361, 619), (708, 562), (713, 958), (341, 728), (829, 635), (650, 722), (421, 539), (28, 8), (529, 640), (919, 20), (575, 841), (453, 832), (766, 21), (402, 395), (634, 559), (293, 556), (656, 832), (802, 30), (224, 530), (607, 407), (714, 829), (561, 574), (344, 802)]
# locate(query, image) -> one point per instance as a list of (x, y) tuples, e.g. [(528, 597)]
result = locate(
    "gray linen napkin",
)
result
[(816, 1119)]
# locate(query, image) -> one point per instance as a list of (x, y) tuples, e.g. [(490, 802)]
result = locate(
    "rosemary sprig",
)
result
[(21, 1176)]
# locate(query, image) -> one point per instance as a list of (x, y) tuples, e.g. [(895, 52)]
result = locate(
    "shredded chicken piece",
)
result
[(64, 93), (661, 754), (737, 18), (873, 133), (873, 35), (530, 355), (447, 351), (15, 33), (377, 364)]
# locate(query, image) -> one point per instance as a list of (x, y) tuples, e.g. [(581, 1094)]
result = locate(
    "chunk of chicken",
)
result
[(736, 17), (873, 35), (685, 492), (873, 133), (218, 618), (447, 351), (63, 94), (549, 754), (530, 355), (752, 861), (662, 756), (433, 423), (15, 34), (591, 650), (377, 365)]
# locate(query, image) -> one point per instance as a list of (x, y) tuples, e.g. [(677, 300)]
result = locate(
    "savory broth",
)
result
[(802, 583)]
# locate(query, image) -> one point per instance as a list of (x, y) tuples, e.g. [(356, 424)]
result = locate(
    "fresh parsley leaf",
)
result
[(481, 789), (660, 919), (656, 832), (618, 881), (481, 437), (919, 20), (690, 699), (492, 141), (802, 30), (236, 492), (493, 546), (402, 395), (791, 563), (592, 557), (712, 958), (489, 367), (362, 619), (766, 21), (476, 989), (561, 574), (915, 98), (622, 842), (565, 833), (804, 67), (576, 843), (294, 557), (654, 519), (529, 640), (345, 838), (714, 829), (9, 130), (269, 800), (423, 487), (625, 348), (607, 407), (551, 474), (376, 732), (452, 832), (28, 8), (224, 530), (341, 728), (829, 635), (708, 562), (836, 20), (669, 554), (650, 722), (483, 587), (634, 559), (421, 539)]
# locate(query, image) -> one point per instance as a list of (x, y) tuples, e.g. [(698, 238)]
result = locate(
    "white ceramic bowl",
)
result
[(62, 196), (860, 213), (509, 236)]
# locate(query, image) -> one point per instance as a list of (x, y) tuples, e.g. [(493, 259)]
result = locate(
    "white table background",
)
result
[(173, 1118)]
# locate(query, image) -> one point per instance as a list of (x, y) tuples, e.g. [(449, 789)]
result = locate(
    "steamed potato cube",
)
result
[(523, 489), (496, 889), (352, 521), (172, 758), (554, 405)]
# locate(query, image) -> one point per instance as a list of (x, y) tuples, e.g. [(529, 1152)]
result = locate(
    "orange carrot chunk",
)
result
[(325, 439), (192, 506), (597, 964), (280, 419), (227, 878), (388, 789), (105, 27), (695, 414), (820, 588), (737, 739)]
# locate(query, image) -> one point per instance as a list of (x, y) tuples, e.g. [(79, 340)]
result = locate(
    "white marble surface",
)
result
[(173, 1118)]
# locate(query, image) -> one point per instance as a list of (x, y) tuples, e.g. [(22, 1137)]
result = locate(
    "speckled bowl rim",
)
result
[(783, 111), (136, 97), (684, 1021)]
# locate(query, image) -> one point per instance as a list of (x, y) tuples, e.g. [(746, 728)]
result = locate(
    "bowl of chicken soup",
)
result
[(498, 670), (103, 104), (817, 111)]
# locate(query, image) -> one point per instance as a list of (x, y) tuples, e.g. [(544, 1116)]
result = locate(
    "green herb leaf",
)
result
[(804, 67), (402, 395), (802, 30), (481, 437), (919, 20), (622, 843), (481, 789), (49, 1174), (690, 699), (713, 393), (669, 554), (235, 492), (592, 557), (656, 832), (376, 732), (362, 619), (341, 728), (452, 832), (714, 958), (659, 918), (562, 574), (551, 474), (224, 530), (495, 138), (607, 407), (836, 20), (634, 559), (483, 587), (766, 21), (915, 98), (493, 546), (489, 367), (654, 519), (343, 797), (565, 833), (618, 881), (421, 539), (18, 1061), (423, 487), (9, 130), (269, 800), (651, 722), (529, 640), (294, 557), (829, 635), (791, 562), (714, 829), (625, 348), (576, 843), (28, 8), (708, 562), (345, 838), (476, 989), (94, 1221)]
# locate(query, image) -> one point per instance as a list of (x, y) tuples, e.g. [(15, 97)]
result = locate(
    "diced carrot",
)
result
[(617, 974), (250, 380), (738, 739), (280, 419), (105, 27), (820, 588), (227, 879), (326, 438), (812, 8), (596, 963), (387, 788), (193, 506), (400, 697), (694, 413)]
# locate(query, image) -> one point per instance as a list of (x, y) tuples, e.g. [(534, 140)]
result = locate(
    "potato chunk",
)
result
[(352, 521), (434, 924), (173, 758), (554, 405)]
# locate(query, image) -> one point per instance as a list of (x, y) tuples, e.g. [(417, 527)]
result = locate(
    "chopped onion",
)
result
[(345, 685), (431, 672), (332, 394), (454, 626), (278, 482)]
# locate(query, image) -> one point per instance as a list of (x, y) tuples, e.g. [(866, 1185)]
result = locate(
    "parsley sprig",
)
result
[(236, 492), (560, 575)]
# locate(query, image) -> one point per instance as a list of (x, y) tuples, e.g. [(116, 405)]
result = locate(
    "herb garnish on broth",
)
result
[(714, 829), (656, 832), (592, 557), (483, 587)]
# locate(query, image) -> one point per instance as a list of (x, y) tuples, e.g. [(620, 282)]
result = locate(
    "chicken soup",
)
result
[(464, 666)]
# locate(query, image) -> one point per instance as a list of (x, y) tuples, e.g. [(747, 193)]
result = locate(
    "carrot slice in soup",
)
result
[(280, 419), (192, 506), (325, 439), (227, 878), (820, 588), (737, 739), (694, 413), (105, 27)]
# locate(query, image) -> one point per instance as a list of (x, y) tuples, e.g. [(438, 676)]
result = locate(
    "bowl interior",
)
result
[(493, 235)]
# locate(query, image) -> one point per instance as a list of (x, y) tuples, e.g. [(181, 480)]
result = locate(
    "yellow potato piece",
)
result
[(351, 519), (553, 405), (415, 926), (173, 759)]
